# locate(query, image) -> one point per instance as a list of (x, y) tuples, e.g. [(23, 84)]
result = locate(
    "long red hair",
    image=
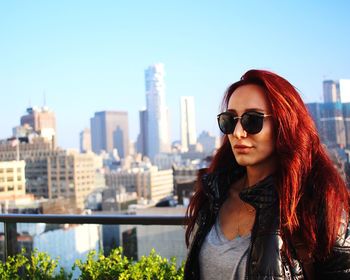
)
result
[(312, 194)]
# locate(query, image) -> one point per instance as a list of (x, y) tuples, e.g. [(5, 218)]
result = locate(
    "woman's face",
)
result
[(252, 150)]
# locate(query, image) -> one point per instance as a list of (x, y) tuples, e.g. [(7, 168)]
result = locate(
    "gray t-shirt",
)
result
[(223, 259)]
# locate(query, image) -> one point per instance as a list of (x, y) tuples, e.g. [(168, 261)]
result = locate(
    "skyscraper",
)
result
[(157, 112), (336, 91), (42, 121), (188, 124), (331, 92), (315, 109), (110, 130), (142, 144), (346, 114), (330, 122)]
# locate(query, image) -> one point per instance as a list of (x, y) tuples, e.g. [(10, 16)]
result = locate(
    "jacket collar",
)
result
[(216, 186), (261, 195)]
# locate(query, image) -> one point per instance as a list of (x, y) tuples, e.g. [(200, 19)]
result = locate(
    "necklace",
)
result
[(236, 217), (249, 211)]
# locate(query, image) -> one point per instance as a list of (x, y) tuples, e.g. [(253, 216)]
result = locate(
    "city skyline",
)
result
[(90, 57)]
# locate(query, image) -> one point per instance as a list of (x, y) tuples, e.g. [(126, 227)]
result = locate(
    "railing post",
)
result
[(10, 242)]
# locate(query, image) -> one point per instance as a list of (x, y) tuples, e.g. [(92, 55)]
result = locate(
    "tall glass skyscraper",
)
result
[(157, 111)]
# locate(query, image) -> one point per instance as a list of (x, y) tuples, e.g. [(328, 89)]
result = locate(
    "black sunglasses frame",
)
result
[(252, 122)]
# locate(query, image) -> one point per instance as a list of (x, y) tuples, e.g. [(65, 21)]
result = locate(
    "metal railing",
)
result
[(10, 223)]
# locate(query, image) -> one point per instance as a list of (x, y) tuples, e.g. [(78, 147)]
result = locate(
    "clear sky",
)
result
[(89, 56)]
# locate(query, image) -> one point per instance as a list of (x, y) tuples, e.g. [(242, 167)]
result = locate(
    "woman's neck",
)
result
[(256, 173)]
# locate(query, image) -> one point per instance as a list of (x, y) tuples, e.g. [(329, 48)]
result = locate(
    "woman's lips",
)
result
[(242, 149)]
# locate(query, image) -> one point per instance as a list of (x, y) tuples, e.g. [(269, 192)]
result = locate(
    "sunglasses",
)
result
[(252, 122)]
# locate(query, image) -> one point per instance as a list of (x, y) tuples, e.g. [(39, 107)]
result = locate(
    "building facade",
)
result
[(331, 91), (53, 173), (188, 123), (158, 135), (332, 123), (149, 183), (110, 130), (346, 115), (336, 91), (209, 142), (42, 121), (85, 141), (12, 179), (62, 175), (142, 140)]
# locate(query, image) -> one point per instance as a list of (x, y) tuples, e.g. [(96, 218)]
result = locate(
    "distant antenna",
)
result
[(30, 103)]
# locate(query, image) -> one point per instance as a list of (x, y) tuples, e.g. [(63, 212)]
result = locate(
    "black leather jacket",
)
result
[(266, 259)]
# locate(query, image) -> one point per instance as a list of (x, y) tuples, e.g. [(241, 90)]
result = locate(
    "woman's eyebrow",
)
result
[(254, 109), (248, 110)]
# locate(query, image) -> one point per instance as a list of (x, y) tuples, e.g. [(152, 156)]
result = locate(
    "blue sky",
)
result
[(90, 56)]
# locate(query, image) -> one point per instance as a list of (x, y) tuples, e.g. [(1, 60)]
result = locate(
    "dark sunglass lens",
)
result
[(252, 123), (226, 123)]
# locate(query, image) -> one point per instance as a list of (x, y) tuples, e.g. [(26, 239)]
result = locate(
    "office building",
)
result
[(85, 141), (12, 179), (110, 130), (68, 244), (188, 124), (142, 139), (15, 149), (148, 182), (315, 109), (53, 173), (331, 92), (346, 115), (158, 139), (332, 123), (42, 121), (336, 91), (208, 142), (168, 241), (62, 175)]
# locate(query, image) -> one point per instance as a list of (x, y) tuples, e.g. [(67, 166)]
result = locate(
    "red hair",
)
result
[(312, 194)]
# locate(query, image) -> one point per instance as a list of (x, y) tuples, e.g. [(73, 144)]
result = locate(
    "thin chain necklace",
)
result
[(243, 204)]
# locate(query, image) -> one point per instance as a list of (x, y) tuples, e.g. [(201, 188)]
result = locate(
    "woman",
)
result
[(271, 205)]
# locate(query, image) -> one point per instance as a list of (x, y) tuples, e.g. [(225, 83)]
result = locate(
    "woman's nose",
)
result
[(239, 132)]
